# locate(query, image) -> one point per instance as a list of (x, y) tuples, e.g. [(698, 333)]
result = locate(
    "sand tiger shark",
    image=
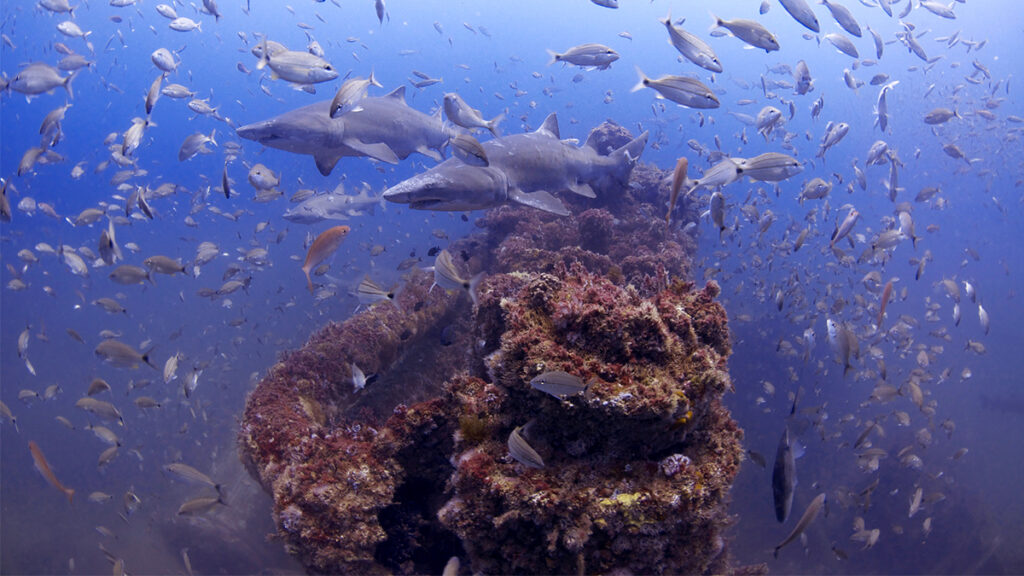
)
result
[(522, 169), (384, 128)]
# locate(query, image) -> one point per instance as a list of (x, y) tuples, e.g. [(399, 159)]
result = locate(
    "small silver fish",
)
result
[(468, 149), (809, 515), (523, 453), (559, 384), (199, 506), (682, 90), (586, 55), (448, 277), (750, 32)]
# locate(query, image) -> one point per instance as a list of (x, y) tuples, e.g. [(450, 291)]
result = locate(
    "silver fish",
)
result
[(469, 150), (460, 113), (843, 16), (802, 78), (691, 46), (682, 90), (769, 167), (802, 13), (519, 449), (940, 116), (121, 355), (447, 276), (350, 93), (750, 32), (196, 144), (559, 384), (298, 67), (127, 274), (38, 78), (199, 506), (100, 408), (843, 44), (586, 55), (189, 474), (809, 515), (183, 24)]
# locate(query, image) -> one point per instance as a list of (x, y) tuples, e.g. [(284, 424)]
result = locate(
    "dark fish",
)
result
[(783, 478)]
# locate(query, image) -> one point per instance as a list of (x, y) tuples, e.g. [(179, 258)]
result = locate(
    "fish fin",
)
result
[(67, 84), (592, 142), (430, 153), (325, 162), (309, 280), (492, 124), (541, 200), (642, 83), (550, 126), (397, 93), (555, 56), (145, 358), (626, 156), (474, 282), (379, 151), (582, 188)]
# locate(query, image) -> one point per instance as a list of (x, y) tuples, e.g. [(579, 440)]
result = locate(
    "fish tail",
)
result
[(492, 124), (71, 494), (643, 81), (67, 84), (309, 281), (625, 157), (474, 282), (718, 22), (555, 57), (667, 20)]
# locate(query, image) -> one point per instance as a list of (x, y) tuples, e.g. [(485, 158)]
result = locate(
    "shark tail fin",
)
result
[(626, 156)]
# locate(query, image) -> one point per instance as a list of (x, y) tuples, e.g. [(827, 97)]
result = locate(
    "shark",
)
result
[(521, 169), (334, 205), (385, 128)]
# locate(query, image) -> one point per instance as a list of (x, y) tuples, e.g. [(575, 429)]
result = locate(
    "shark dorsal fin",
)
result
[(550, 126), (397, 93), (592, 141)]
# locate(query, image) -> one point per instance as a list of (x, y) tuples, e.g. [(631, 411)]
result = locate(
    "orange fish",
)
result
[(44, 468), (678, 177), (324, 245)]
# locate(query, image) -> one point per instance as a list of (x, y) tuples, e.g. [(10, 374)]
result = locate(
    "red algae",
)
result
[(416, 468)]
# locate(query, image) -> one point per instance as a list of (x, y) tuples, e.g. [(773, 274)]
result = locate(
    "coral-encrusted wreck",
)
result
[(415, 468)]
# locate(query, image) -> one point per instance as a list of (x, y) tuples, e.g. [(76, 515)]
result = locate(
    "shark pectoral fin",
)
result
[(583, 189), (430, 153), (379, 151), (325, 162), (541, 200)]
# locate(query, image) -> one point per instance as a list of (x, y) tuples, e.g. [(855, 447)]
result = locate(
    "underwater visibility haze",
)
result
[(586, 286)]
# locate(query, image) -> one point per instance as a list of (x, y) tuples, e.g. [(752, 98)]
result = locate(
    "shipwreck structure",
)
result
[(416, 468)]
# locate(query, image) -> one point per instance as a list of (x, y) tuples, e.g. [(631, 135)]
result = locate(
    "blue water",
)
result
[(976, 528)]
